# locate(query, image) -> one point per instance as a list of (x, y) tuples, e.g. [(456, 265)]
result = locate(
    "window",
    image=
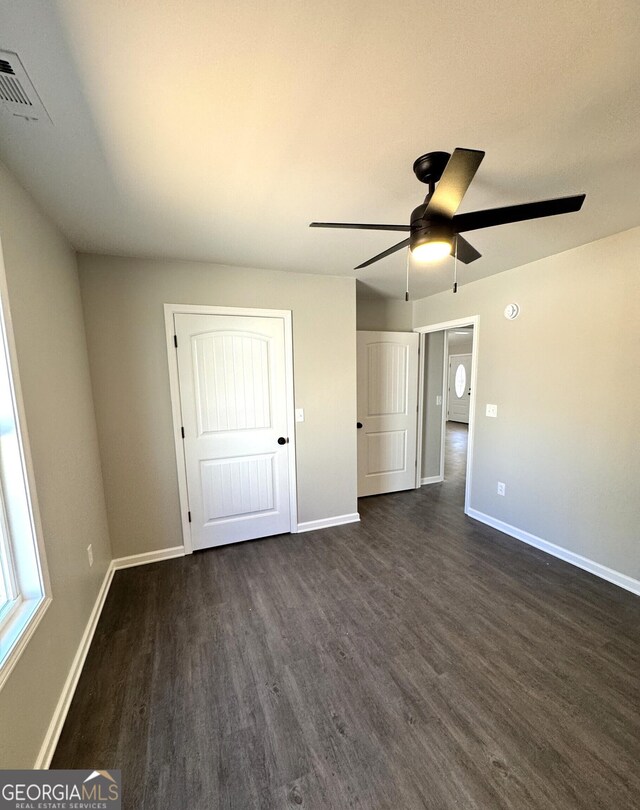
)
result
[(461, 380), (23, 581)]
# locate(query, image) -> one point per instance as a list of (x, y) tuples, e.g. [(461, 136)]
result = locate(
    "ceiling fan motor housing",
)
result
[(429, 229)]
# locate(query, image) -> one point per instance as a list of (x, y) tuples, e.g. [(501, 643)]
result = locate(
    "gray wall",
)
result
[(123, 304), (567, 434), (44, 298), (432, 412), (384, 314)]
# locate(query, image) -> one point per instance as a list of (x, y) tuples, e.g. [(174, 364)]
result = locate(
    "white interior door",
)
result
[(459, 388), (233, 395), (387, 411)]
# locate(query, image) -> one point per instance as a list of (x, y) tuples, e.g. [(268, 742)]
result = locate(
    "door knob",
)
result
[(282, 440), (358, 425)]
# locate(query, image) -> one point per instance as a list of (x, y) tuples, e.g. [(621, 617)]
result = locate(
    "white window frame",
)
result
[(23, 557)]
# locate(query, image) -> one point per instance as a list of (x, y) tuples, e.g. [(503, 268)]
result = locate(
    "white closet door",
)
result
[(231, 371)]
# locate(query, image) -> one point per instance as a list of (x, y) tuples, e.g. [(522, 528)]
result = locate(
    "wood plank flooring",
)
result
[(415, 660)]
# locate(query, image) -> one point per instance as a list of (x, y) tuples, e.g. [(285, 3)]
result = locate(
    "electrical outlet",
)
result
[(90, 554), (492, 410), (502, 488)]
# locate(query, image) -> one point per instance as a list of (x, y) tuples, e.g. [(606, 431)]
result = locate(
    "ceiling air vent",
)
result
[(18, 96)]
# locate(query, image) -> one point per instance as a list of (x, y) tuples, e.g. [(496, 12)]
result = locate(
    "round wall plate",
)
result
[(511, 311)]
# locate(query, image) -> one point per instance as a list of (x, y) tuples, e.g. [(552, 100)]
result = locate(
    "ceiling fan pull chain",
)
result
[(455, 267), (406, 295)]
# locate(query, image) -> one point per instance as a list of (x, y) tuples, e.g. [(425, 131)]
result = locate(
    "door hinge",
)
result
[(175, 341), (189, 517), (182, 430)]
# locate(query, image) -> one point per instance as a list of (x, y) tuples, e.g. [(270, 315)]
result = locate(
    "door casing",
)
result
[(474, 321), (197, 309)]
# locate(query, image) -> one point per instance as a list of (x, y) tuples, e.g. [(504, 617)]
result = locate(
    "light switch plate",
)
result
[(492, 410), (438, 400), (299, 414)]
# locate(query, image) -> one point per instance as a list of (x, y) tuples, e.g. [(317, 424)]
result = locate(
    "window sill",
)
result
[(17, 631)]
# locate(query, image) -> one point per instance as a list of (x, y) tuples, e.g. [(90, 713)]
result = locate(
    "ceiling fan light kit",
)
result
[(430, 240), (430, 249), (435, 228)]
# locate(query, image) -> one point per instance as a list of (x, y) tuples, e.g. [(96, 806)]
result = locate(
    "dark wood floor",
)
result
[(415, 660)]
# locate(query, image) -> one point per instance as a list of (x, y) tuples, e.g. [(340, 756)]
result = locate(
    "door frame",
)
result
[(474, 321), (176, 409)]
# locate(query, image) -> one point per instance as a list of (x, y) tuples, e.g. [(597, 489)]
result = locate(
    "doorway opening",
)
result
[(448, 371)]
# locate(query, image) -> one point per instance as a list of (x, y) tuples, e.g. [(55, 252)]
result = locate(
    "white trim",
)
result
[(474, 321), (176, 411), (23, 433), (432, 479), (174, 386), (24, 634), (439, 327), (445, 402), (60, 714), (148, 557), (31, 615), (325, 523), (421, 364), (617, 578)]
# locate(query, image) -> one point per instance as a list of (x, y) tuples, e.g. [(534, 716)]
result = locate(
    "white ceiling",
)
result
[(217, 130)]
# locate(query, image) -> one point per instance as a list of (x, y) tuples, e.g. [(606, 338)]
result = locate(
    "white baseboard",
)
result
[(432, 479), (325, 523), (617, 578), (60, 714), (148, 557)]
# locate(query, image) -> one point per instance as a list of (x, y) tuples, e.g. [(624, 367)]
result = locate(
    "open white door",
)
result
[(387, 411), (233, 396)]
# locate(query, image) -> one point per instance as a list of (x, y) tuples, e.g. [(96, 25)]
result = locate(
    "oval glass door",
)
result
[(460, 381)]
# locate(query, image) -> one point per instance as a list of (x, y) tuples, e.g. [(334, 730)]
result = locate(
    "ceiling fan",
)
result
[(435, 227)]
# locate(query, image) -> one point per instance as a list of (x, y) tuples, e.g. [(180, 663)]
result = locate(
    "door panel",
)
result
[(387, 451), (236, 367), (387, 375), (459, 388), (231, 371), (232, 487), (387, 410)]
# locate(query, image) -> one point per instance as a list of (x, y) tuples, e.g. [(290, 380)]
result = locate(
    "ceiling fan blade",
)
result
[(360, 227), (387, 252), (466, 252), (517, 213), (456, 179)]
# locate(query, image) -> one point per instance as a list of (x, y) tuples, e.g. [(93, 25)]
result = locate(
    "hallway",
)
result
[(455, 458)]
